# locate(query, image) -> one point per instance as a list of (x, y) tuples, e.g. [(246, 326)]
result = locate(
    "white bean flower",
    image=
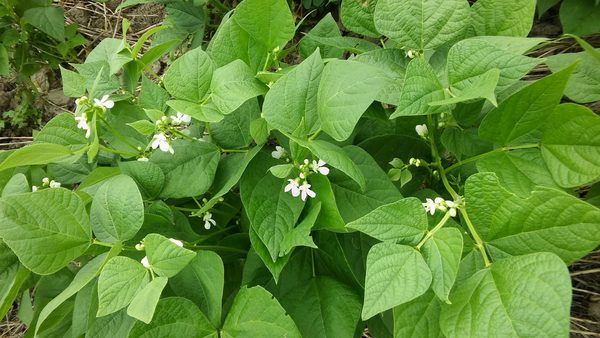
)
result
[(208, 221), (176, 242), (45, 181), (305, 191), (430, 206), (180, 119), (34, 188), (292, 186), (83, 124), (279, 152), (145, 262), (422, 130), (320, 167), (104, 102), (54, 184), (453, 207), (161, 141)]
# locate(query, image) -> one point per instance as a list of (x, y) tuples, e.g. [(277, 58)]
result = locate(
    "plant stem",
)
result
[(314, 136), (97, 242), (234, 150), (219, 248), (479, 244), (491, 152), (434, 230)]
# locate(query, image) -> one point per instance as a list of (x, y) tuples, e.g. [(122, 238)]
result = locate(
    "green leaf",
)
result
[(268, 21), (279, 171), (152, 96), (120, 280), (202, 282), (323, 307), (116, 324), (62, 129), (357, 16), (392, 62), (192, 159), (175, 316), (464, 142), (571, 145), (189, 76), (17, 184), (482, 86), (35, 154), (547, 220), (443, 253), (117, 211), (205, 112), (98, 79), (144, 303), (524, 296), (418, 24), (234, 130), (421, 87), (396, 274), (260, 251), (255, 313), (234, 84), (346, 90), (522, 113), (502, 17), (83, 278), (149, 177), (73, 83), (49, 19), (402, 221), (165, 257), (335, 157), (300, 235), (230, 170), (143, 127), (580, 17), (418, 318), (12, 278), (583, 84), (292, 100), (259, 130), (329, 216), (46, 229), (326, 27), (109, 50), (544, 5)]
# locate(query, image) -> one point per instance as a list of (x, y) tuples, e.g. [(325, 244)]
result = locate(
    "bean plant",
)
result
[(413, 179)]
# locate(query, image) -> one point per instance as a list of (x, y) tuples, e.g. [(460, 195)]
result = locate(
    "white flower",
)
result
[(453, 206), (34, 188), (81, 100), (83, 124), (320, 167), (181, 118), (160, 141), (305, 191), (429, 206), (279, 152), (411, 54), (414, 161), (45, 181), (139, 247), (208, 221), (145, 262), (293, 187), (143, 159), (422, 130), (104, 102), (176, 242), (54, 184)]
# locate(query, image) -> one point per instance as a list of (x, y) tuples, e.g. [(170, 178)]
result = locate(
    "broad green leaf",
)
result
[(152, 96), (260, 251), (255, 313), (234, 84), (334, 156), (49, 19), (189, 17), (514, 44), (357, 16), (202, 282), (418, 318), (396, 274), (292, 100), (17, 184), (524, 296), (480, 87), (547, 220), (474, 57), (418, 24), (502, 17), (300, 235), (234, 130), (346, 43), (230, 170), (202, 112), (120, 280), (519, 170), (165, 257), (464, 143), (282, 170), (189, 76), (323, 307), (522, 113), (188, 172), (571, 145), (393, 64), (109, 50), (46, 229), (346, 90), (12, 277), (71, 170), (402, 221), (62, 129), (583, 84), (98, 79), (443, 253), (175, 316), (143, 127), (421, 87), (259, 130), (326, 27), (117, 211), (83, 278), (329, 217), (268, 21), (580, 17), (35, 154), (73, 83), (116, 324), (149, 177), (144, 303), (96, 178)]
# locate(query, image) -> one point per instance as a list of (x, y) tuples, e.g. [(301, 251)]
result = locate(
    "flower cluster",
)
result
[(46, 182), (168, 127), (306, 169), (141, 247), (279, 153), (440, 204), (83, 103)]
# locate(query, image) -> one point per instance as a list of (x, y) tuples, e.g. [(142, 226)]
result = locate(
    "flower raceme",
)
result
[(442, 205), (161, 142), (306, 169), (104, 102)]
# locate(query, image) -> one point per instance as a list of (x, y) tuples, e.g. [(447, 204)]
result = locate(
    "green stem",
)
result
[(234, 150), (479, 244), (491, 152), (208, 130), (432, 232), (314, 136), (97, 242), (219, 248)]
